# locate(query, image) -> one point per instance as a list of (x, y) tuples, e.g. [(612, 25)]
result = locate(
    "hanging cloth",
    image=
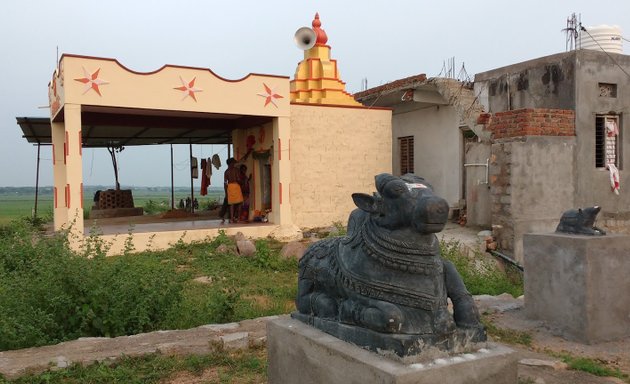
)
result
[(614, 178), (193, 167), (209, 169), (216, 161), (205, 180)]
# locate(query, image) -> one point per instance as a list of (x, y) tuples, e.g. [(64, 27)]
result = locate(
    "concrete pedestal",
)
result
[(299, 353), (579, 284)]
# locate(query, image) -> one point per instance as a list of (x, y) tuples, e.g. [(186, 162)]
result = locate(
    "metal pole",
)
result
[(172, 182), (37, 181), (192, 193)]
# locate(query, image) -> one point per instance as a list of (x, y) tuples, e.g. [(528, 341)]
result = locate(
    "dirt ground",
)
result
[(507, 313)]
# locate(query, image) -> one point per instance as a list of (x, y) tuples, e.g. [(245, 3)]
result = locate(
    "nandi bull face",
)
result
[(404, 202)]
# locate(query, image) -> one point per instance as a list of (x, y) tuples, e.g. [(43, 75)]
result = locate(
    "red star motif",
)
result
[(91, 81), (270, 95), (188, 88)]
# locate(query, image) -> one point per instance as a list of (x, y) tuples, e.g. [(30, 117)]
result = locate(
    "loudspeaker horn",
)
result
[(305, 38)]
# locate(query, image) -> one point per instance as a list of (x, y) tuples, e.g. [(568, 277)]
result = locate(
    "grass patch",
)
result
[(508, 336), (481, 275), (223, 367), (593, 366)]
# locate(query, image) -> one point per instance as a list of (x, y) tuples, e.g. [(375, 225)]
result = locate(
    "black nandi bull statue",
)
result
[(385, 282)]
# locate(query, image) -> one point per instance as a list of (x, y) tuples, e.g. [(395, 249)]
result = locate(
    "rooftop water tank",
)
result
[(602, 37)]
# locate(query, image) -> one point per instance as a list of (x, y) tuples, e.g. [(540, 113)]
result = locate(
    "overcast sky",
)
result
[(378, 40)]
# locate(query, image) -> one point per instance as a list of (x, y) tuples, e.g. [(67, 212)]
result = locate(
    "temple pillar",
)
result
[(60, 211), (68, 170), (281, 172)]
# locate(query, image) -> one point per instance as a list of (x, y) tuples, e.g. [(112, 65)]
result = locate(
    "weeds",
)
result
[(230, 367), (508, 336), (592, 366), (481, 275)]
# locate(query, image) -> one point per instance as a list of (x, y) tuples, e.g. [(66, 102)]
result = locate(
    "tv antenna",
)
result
[(572, 31)]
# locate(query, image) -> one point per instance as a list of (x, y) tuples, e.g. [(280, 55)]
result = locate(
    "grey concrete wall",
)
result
[(593, 184), (570, 81), (478, 209), (546, 82), (437, 147), (578, 284), (532, 185)]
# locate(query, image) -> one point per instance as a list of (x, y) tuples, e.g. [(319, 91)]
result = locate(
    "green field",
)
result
[(20, 202)]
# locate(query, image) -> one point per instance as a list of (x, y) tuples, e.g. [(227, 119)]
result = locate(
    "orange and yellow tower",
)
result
[(317, 77)]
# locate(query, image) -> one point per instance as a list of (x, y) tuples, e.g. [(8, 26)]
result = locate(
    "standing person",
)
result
[(233, 191), (244, 181)]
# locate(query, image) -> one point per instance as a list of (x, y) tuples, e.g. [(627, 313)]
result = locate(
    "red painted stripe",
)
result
[(68, 195), (280, 192), (252, 190), (279, 149), (55, 198), (80, 144), (66, 149), (53, 150), (289, 154)]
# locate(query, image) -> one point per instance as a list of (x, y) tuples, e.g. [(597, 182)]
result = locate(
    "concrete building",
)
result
[(433, 121), (557, 125), (307, 143), (525, 143)]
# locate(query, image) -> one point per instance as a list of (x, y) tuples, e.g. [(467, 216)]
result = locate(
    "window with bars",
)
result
[(607, 141), (405, 144)]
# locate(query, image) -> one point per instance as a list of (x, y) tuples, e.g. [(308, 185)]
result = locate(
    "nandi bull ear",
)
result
[(365, 202)]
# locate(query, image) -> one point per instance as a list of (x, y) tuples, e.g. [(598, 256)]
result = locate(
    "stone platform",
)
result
[(579, 284), (299, 353)]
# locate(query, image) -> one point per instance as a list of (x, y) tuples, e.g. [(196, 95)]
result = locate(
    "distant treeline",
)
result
[(90, 189)]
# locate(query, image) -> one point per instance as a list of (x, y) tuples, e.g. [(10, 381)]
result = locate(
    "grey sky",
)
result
[(378, 40)]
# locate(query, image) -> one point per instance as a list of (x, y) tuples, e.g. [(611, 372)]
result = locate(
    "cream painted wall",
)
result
[(334, 152), (437, 148), (156, 90)]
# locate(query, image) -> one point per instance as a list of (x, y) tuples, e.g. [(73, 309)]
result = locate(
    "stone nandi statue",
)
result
[(385, 282)]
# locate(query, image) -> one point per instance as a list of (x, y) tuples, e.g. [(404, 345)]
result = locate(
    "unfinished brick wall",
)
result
[(501, 194), (516, 136), (532, 122)]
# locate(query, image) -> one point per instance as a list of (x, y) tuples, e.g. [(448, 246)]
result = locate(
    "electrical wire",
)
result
[(607, 54)]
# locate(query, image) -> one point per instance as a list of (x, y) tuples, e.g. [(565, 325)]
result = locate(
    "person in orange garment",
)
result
[(244, 181), (233, 191)]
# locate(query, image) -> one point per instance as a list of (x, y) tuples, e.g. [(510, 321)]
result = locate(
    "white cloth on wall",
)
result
[(614, 178)]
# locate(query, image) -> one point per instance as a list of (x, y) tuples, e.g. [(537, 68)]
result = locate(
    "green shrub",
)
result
[(154, 207), (49, 294), (480, 274)]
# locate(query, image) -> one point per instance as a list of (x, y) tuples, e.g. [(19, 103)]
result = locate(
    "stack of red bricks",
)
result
[(532, 122)]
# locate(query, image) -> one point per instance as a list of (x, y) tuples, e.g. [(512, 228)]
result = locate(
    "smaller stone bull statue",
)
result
[(387, 275), (580, 222)]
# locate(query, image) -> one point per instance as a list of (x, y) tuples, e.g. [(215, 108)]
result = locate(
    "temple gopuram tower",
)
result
[(316, 78)]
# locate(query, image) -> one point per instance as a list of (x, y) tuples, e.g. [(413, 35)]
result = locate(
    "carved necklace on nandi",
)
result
[(386, 252)]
